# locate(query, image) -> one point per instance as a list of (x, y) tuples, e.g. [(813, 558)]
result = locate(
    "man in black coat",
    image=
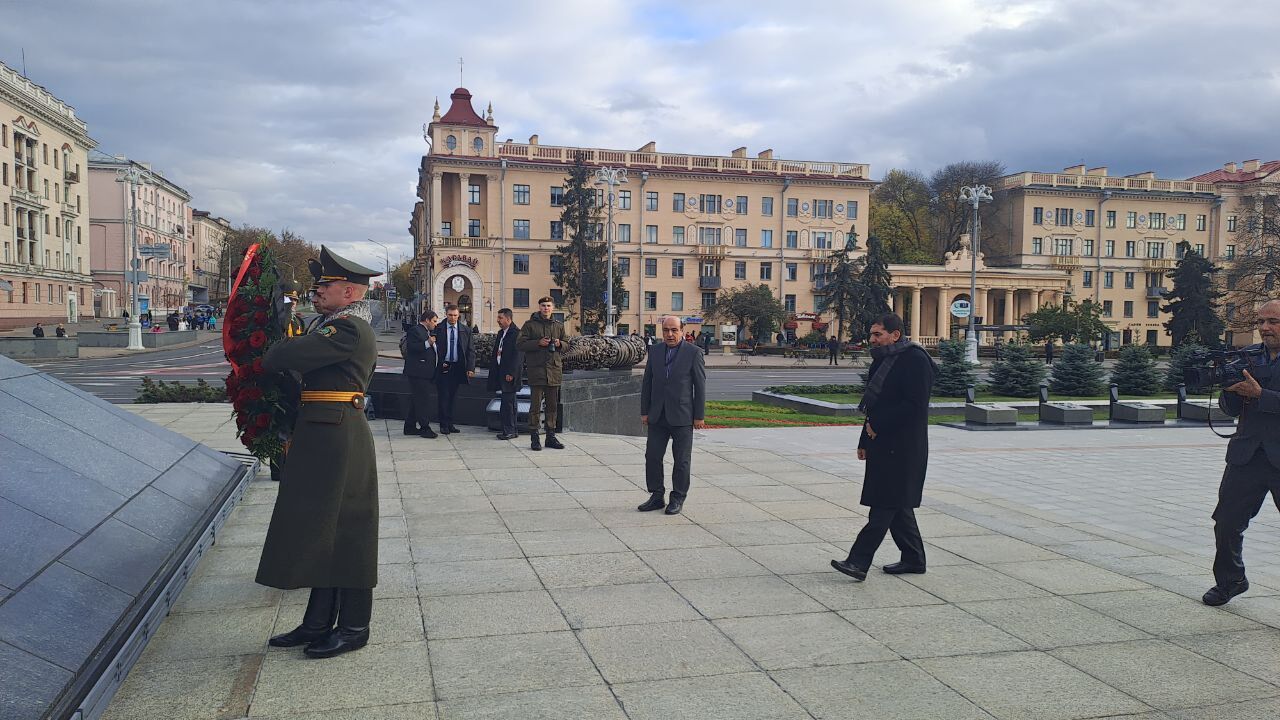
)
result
[(895, 446), (504, 372), (833, 351), (672, 403), (419, 369), (456, 365)]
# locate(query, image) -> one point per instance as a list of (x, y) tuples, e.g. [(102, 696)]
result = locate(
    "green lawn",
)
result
[(987, 397), (749, 414)]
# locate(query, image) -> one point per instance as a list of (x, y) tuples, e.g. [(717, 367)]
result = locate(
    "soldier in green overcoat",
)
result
[(324, 530), (543, 342)]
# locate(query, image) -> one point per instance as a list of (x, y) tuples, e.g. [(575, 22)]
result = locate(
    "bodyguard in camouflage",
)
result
[(543, 342), (324, 530)]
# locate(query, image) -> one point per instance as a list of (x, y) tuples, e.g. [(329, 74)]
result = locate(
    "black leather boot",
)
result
[(352, 633), (534, 442), (554, 443), (317, 621)]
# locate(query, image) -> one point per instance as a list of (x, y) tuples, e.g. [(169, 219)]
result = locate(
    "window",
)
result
[(478, 144), (677, 235), (766, 271), (520, 194), (1037, 216), (1106, 308), (624, 267), (1231, 251), (520, 297), (1089, 218), (1151, 337), (822, 240), (624, 304), (709, 204), (651, 234), (822, 209), (451, 142), (650, 300), (446, 228), (789, 303), (740, 237), (708, 300), (557, 265), (624, 233), (1155, 249), (1130, 248), (597, 231), (793, 239), (1108, 279), (1110, 248), (793, 207), (677, 301), (1037, 246), (557, 196), (1178, 251), (1063, 216), (473, 228), (1111, 218), (677, 268), (557, 229), (741, 205), (851, 209), (766, 238), (597, 198), (791, 272), (1128, 280), (1087, 278), (1156, 220), (651, 267), (1062, 246), (1179, 221), (1131, 219), (473, 194), (1200, 222), (1153, 308), (650, 200), (557, 296), (766, 206), (1128, 308), (1200, 249), (1086, 248), (624, 199), (709, 268), (1154, 279), (519, 230), (677, 202), (739, 270), (709, 235)]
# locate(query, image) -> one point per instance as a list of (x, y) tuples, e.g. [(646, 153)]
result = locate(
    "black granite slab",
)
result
[(28, 543), (61, 616), (159, 515), (119, 555), (30, 685), (53, 490)]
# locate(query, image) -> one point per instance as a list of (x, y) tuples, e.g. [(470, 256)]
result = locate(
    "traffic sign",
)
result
[(160, 250), (961, 308), (135, 276)]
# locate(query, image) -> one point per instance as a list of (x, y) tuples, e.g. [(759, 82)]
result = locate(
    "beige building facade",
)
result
[(44, 199), (208, 235)]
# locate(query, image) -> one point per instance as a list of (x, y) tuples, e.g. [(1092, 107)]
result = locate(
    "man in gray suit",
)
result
[(672, 404), (1253, 458)]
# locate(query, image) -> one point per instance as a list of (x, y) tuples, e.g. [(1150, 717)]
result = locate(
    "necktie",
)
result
[(453, 343), (500, 339)]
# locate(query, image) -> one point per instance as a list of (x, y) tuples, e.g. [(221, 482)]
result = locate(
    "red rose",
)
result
[(257, 366), (262, 421), (239, 324), (255, 271), (241, 420), (257, 339), (244, 372), (260, 301), (260, 318), (252, 394)]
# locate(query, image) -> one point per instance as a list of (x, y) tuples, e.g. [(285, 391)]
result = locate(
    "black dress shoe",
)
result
[(409, 430), (673, 507), (341, 640), (655, 502), (553, 443), (504, 436), (534, 442), (300, 635), (850, 569), (427, 432), (1219, 595), (903, 569), (453, 428)]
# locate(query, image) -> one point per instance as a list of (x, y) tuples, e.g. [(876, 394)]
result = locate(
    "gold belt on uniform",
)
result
[(355, 398)]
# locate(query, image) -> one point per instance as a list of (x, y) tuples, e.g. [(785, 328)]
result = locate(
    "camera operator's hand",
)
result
[(1248, 387)]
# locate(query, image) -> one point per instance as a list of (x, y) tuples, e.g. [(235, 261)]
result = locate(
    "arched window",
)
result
[(478, 144), (451, 142)]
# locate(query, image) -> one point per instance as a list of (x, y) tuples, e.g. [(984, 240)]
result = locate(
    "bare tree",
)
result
[(949, 214), (1252, 273)]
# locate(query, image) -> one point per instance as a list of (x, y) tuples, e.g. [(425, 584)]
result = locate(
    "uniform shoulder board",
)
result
[(326, 331)]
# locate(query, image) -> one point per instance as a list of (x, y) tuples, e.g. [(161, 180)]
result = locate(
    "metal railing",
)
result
[(459, 242), (709, 282), (1104, 182), (677, 161)]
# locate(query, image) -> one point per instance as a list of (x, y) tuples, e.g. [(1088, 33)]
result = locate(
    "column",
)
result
[(1007, 318), (916, 292), (1041, 298), (437, 206), (893, 300), (944, 313), (491, 198), (464, 193)]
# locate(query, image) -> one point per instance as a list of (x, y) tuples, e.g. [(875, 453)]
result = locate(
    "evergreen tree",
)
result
[(842, 287), (582, 262), (1178, 361), (1018, 372), (1077, 373), (1135, 372), (876, 285), (955, 374), (1193, 301)]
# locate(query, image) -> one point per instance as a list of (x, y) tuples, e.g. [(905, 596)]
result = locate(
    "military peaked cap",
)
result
[(332, 266)]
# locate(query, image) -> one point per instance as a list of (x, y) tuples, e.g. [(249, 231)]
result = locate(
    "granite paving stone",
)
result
[(193, 689), (750, 696), (475, 576), (557, 571), (773, 532), (380, 674), (582, 703), (896, 690), (700, 563), (795, 559), (631, 604), (839, 592), (481, 666), (1163, 613), (504, 613), (632, 653), (186, 636), (1050, 622), (666, 537), (932, 630), (745, 596), (965, 583), (1065, 576), (1255, 652), (568, 542), (805, 640)]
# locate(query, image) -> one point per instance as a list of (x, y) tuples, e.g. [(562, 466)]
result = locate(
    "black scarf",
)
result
[(887, 355)]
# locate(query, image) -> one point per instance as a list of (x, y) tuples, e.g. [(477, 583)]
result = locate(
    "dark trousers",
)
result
[(835, 357), (1240, 497), (350, 607), (898, 522), (447, 393), (418, 417), (507, 412), (681, 439), (538, 393)]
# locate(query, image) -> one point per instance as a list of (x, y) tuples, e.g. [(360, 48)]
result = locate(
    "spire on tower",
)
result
[(435, 116)]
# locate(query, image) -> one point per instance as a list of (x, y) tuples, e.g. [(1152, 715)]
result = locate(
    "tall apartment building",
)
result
[(163, 218), (44, 248), (208, 233)]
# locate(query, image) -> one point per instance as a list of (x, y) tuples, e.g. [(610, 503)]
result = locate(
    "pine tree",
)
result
[(1077, 373), (1193, 301), (1018, 373), (1135, 372), (1178, 361), (955, 374), (842, 288), (876, 286), (583, 261)]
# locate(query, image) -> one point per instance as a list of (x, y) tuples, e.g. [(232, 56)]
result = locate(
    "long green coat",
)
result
[(544, 366), (324, 530)]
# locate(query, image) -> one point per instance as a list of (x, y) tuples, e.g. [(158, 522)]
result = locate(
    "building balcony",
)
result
[(710, 251), (820, 253), (70, 177), (820, 286), (709, 282), (30, 198), (70, 209), (1103, 182), (474, 243), (1155, 293), (1158, 263), (1065, 262), (678, 161)]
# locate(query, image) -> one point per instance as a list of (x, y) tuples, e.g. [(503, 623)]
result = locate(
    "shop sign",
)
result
[(456, 260), (790, 325), (693, 321), (806, 316)]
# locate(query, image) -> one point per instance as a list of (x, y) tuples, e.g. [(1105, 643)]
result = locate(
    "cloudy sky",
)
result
[(308, 115)]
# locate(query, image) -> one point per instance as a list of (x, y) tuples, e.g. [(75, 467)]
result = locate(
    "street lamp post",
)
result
[(613, 177), (974, 195), (386, 298), (133, 176)]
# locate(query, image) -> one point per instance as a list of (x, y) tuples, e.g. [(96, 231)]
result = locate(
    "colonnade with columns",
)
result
[(927, 308)]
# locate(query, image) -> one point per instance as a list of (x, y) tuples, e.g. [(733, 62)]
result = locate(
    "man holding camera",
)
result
[(1253, 459), (543, 342)]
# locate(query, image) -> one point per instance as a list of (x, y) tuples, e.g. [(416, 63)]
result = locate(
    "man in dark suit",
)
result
[(456, 365), (504, 372), (672, 403), (895, 445), (1253, 458), (419, 370)]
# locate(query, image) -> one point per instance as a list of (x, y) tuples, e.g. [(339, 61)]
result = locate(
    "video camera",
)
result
[(1224, 368)]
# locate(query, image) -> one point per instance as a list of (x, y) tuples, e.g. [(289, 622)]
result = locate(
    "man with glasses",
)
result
[(1253, 459)]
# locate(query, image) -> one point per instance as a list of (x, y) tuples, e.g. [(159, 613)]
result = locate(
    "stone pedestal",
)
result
[(1065, 413), (990, 414), (1137, 412), (103, 338), (34, 347), (1203, 411)]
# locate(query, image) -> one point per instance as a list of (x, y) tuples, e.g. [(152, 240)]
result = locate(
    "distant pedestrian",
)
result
[(38, 330), (1048, 351), (60, 331), (833, 349), (999, 347)]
